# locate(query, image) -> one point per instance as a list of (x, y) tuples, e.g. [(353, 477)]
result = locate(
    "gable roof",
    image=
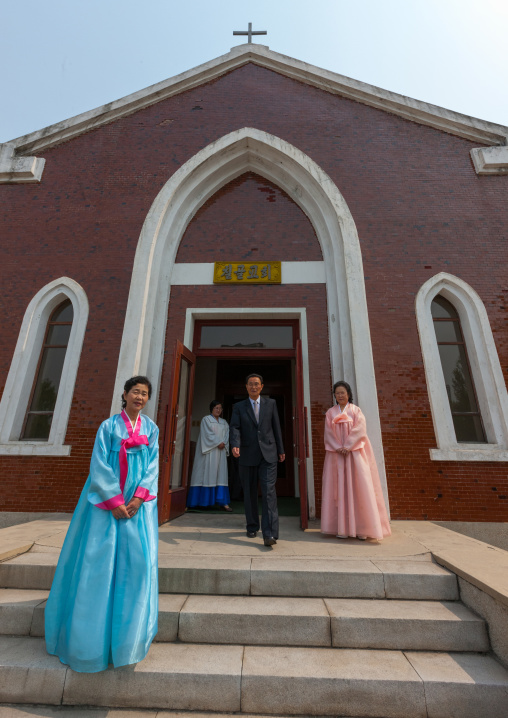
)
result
[(426, 114)]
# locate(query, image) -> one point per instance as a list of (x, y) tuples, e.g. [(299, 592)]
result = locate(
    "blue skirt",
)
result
[(103, 604), (207, 496)]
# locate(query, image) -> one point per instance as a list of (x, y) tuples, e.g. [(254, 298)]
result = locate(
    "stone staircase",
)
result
[(270, 636)]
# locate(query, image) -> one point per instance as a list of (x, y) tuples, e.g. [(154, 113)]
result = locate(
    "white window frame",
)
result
[(18, 387), (485, 369)]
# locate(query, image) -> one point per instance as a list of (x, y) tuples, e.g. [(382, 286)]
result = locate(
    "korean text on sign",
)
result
[(247, 273)]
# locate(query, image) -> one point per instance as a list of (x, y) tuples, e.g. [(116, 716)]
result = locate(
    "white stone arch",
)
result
[(313, 190), (24, 363), (485, 368)]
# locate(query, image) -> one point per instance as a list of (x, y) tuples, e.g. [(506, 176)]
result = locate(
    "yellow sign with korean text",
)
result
[(247, 273)]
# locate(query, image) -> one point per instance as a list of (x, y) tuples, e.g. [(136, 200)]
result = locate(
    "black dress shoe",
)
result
[(252, 534), (269, 541)]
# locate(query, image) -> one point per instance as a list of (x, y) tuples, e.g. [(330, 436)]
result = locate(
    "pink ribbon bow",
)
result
[(134, 440), (342, 418)]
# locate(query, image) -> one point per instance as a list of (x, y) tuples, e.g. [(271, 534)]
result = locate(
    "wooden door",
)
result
[(301, 437), (177, 436)]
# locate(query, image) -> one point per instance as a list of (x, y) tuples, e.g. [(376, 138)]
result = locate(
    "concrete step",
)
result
[(265, 680), (342, 623), (278, 621), (223, 575), (30, 570), (22, 612), (402, 579), (37, 711)]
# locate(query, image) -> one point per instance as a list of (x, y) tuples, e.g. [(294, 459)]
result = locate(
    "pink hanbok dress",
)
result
[(353, 503)]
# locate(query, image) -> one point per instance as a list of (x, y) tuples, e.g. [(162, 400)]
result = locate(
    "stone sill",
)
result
[(473, 453), (34, 448)]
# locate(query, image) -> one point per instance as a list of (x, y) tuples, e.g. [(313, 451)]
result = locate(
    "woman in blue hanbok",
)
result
[(103, 603)]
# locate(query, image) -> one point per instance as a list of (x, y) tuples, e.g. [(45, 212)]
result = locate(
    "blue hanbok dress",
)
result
[(103, 603)]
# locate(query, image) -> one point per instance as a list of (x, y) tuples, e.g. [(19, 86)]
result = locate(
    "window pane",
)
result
[(251, 337), (48, 381), (63, 313), (59, 334), (468, 429), (448, 332), (38, 426), (442, 309), (458, 382)]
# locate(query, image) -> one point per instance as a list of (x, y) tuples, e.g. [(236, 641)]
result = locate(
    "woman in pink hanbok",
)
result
[(353, 503)]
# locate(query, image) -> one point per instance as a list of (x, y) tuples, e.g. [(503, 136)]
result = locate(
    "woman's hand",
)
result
[(121, 512), (133, 506), (222, 445)]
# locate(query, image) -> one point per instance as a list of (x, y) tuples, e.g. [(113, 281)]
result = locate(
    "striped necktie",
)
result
[(256, 411)]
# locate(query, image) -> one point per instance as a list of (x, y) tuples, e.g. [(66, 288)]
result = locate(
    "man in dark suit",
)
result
[(256, 439)]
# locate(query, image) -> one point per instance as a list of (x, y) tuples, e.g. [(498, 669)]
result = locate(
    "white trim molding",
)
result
[(24, 363), (241, 313), (485, 368), (486, 160), (15, 169), (424, 113), (248, 149), (490, 160), (201, 273)]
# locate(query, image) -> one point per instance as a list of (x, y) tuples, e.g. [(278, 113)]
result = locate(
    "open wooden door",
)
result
[(301, 437), (175, 460)]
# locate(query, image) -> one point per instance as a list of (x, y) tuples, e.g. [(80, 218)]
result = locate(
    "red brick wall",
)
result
[(419, 208), (249, 218)]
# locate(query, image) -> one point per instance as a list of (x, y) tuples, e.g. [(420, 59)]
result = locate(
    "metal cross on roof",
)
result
[(250, 32)]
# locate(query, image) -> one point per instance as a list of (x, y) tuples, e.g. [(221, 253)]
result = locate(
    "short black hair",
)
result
[(132, 382), (252, 376), (346, 387), (214, 403)]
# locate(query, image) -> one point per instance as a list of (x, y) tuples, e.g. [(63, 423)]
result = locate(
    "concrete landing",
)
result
[(204, 537), (217, 535)]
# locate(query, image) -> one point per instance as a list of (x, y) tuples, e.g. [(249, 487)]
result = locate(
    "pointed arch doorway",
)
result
[(248, 149)]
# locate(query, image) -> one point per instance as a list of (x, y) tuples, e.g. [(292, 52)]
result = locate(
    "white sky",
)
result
[(63, 57)]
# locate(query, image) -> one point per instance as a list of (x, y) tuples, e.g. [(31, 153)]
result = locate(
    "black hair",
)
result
[(346, 387), (213, 404), (132, 382), (252, 376)]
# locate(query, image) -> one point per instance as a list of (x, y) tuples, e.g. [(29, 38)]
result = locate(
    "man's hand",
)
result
[(133, 506), (222, 445), (236, 452), (282, 457), (120, 512)]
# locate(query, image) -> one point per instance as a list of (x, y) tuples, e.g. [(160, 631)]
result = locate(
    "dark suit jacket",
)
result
[(256, 440)]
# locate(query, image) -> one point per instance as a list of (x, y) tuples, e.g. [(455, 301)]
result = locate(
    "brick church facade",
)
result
[(385, 212)]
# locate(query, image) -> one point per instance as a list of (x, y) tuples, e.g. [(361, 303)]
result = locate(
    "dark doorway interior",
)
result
[(277, 376)]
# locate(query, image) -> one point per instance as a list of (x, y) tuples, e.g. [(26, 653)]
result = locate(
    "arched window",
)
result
[(37, 397), (42, 402), (467, 420), (467, 391)]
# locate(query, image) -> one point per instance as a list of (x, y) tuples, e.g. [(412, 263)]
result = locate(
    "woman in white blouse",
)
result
[(209, 480)]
